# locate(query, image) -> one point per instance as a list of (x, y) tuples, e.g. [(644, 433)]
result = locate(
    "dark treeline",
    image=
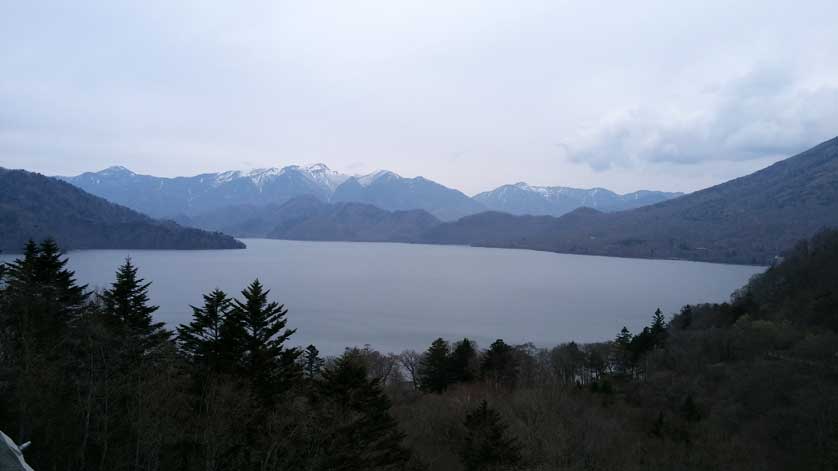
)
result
[(99, 385), (95, 383)]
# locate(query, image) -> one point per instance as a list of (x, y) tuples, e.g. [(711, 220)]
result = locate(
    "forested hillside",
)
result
[(96, 384), (748, 220), (308, 218), (33, 206)]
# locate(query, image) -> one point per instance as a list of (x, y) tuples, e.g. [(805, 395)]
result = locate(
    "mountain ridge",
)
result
[(521, 198), (33, 206), (308, 218), (180, 197), (750, 219)]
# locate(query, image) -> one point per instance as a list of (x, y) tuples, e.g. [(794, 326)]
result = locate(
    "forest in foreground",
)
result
[(97, 384)]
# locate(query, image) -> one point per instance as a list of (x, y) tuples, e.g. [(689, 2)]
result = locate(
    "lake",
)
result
[(398, 296)]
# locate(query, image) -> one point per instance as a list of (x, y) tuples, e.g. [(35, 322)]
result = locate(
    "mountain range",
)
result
[(308, 218), (395, 193), (521, 198), (750, 219), (172, 197), (33, 206), (183, 198)]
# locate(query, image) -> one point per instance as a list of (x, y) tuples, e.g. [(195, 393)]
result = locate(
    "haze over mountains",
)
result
[(395, 193), (189, 197), (170, 197), (521, 198), (308, 218), (33, 206), (746, 220)]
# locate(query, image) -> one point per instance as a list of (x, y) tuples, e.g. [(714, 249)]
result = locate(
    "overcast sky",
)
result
[(472, 94)]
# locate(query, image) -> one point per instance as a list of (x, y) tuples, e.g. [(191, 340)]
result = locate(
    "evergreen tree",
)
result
[(206, 340), (685, 320), (658, 330), (488, 445), (312, 363), (39, 304), (267, 362), (623, 352), (434, 368), (640, 344), (500, 367), (127, 310), (40, 297), (59, 284), (354, 412), (463, 362)]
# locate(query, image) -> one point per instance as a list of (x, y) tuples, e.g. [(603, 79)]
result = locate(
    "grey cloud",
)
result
[(472, 93), (763, 114)]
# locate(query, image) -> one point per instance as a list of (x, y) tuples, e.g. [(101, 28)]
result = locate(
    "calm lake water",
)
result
[(397, 296)]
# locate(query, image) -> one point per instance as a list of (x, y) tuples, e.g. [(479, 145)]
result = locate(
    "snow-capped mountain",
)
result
[(191, 196), (392, 192), (187, 197), (170, 197), (522, 198), (318, 174)]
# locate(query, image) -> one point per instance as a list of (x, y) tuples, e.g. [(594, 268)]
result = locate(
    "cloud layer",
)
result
[(474, 94), (766, 113)]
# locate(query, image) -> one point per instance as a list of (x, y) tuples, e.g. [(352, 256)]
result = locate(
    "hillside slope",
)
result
[(308, 218), (33, 206), (749, 220), (171, 197), (303, 220)]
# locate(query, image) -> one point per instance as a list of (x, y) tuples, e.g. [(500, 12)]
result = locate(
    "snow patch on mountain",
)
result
[(116, 170), (369, 179), (322, 175)]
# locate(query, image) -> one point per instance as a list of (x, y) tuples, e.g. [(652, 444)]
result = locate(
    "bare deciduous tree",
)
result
[(409, 359)]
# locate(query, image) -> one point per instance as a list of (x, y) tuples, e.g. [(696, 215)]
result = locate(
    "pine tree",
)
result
[(39, 304), (209, 340), (434, 368), (59, 283), (127, 310), (640, 344), (40, 297), (463, 362), (487, 445), (623, 354), (658, 330), (685, 320), (500, 367), (267, 362), (355, 416), (312, 363)]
